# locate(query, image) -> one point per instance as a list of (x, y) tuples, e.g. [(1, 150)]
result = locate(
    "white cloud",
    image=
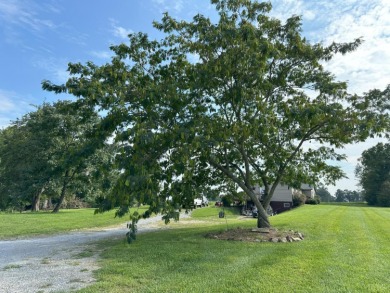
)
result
[(120, 31), (309, 15), (25, 14), (367, 67), (343, 21), (283, 9), (101, 54), (55, 67), (23, 19), (175, 6)]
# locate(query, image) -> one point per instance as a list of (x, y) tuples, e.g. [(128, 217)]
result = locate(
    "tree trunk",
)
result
[(60, 201), (262, 222), (45, 204), (262, 216), (35, 203), (36, 200), (63, 192)]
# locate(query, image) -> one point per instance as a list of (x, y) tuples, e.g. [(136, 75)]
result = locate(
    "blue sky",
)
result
[(39, 37)]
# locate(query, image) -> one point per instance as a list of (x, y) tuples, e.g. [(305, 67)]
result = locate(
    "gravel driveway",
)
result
[(59, 263)]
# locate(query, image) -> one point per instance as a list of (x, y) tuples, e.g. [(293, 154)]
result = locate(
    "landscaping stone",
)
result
[(258, 235)]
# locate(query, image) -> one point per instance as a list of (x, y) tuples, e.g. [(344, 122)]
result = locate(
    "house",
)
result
[(308, 190), (282, 199)]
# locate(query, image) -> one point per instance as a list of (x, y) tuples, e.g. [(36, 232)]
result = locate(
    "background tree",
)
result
[(340, 196), (348, 195), (374, 174), (25, 160), (383, 197), (4, 195), (234, 101), (48, 151), (324, 194), (353, 195), (73, 146)]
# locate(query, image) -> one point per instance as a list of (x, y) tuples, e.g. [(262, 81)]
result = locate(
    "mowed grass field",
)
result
[(346, 249), (17, 225)]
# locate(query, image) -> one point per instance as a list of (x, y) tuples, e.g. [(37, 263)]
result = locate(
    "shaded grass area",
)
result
[(345, 250), (29, 224)]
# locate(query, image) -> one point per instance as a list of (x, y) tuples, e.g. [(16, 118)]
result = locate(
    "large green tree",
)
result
[(236, 101), (374, 174), (73, 146), (25, 160), (51, 150)]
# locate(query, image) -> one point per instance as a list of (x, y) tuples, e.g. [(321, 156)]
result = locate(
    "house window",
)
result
[(286, 204)]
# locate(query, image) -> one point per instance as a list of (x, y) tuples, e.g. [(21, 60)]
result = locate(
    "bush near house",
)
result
[(298, 199)]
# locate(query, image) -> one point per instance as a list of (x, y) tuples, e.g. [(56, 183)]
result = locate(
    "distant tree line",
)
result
[(348, 196), (344, 195)]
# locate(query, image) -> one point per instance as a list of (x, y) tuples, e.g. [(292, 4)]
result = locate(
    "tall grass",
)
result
[(345, 250)]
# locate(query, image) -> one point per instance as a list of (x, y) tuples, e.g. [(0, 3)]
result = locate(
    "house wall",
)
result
[(279, 206), (308, 190), (283, 193)]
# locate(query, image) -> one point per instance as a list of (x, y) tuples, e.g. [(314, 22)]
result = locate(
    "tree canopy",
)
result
[(25, 151), (241, 101), (49, 151), (374, 174)]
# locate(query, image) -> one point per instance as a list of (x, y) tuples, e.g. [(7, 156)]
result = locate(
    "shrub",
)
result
[(227, 200), (298, 199), (311, 201)]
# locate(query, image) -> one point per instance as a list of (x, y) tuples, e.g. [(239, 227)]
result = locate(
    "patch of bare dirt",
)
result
[(258, 235)]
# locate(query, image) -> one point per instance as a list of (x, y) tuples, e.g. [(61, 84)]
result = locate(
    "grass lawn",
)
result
[(346, 249), (29, 224)]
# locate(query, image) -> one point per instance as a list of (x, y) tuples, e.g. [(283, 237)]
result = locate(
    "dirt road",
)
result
[(57, 263)]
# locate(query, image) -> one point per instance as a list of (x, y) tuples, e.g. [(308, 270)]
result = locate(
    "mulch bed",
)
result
[(257, 235)]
